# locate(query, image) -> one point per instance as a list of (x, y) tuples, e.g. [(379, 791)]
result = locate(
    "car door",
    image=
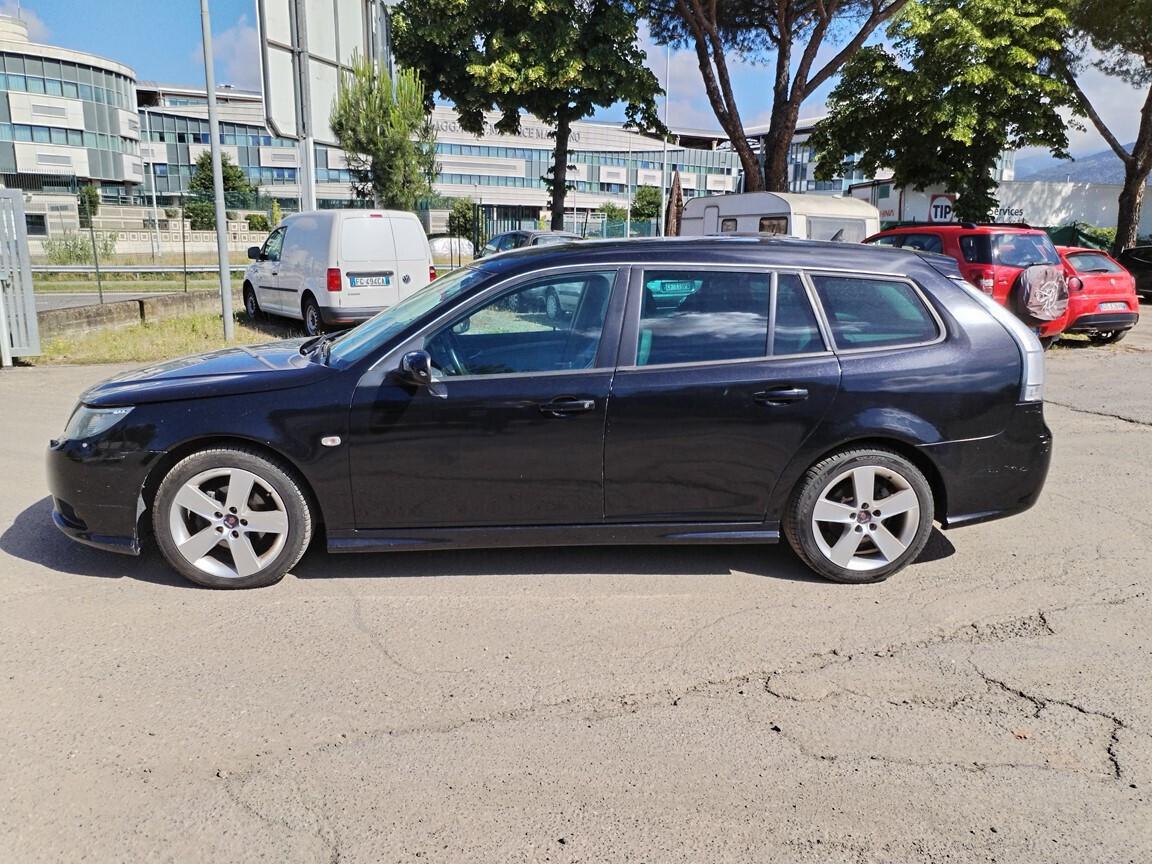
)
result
[(268, 272), (719, 383), (511, 432)]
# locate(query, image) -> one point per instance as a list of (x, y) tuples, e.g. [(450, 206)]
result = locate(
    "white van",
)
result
[(333, 267), (809, 217)]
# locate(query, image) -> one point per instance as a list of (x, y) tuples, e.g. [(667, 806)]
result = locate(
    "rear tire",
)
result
[(552, 306), (1107, 337), (860, 515), (313, 321), (231, 518)]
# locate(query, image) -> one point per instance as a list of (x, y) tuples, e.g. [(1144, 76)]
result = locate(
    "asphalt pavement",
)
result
[(990, 703)]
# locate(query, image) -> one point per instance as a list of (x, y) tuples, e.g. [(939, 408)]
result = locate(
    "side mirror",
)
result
[(254, 253), (416, 368)]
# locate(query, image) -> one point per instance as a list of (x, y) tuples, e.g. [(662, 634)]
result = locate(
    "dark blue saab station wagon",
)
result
[(713, 390)]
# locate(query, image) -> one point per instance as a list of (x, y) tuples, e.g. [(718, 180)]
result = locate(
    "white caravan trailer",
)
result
[(810, 217)]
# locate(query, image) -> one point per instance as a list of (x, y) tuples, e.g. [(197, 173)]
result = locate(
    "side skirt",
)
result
[(403, 540)]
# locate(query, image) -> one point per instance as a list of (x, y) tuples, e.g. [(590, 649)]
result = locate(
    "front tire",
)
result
[(860, 515), (231, 518), (251, 304), (552, 306)]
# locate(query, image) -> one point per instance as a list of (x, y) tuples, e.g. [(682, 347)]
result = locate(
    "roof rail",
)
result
[(918, 224)]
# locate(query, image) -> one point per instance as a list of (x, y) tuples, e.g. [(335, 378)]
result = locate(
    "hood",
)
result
[(227, 372)]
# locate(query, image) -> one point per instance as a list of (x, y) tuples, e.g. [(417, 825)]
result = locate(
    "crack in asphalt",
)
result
[(1040, 703), (1108, 414)]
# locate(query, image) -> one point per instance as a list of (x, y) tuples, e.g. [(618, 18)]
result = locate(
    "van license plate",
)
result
[(369, 281), (1113, 307)]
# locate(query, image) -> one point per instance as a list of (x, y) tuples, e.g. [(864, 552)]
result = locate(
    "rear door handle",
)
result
[(565, 406), (780, 396)]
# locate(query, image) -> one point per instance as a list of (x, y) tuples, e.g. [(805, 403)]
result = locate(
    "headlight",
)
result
[(87, 422)]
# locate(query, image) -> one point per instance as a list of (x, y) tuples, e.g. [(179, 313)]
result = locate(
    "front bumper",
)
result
[(97, 493), (990, 478), (336, 315), (1096, 322)]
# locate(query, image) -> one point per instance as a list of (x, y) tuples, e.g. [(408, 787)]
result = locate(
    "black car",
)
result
[(519, 239), (1138, 261), (844, 396)]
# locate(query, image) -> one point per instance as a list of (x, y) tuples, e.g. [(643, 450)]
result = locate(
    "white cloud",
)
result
[(237, 53), (37, 29)]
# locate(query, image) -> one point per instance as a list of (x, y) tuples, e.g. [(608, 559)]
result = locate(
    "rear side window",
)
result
[(1093, 262), (1010, 249), (699, 316), (365, 238), (874, 313)]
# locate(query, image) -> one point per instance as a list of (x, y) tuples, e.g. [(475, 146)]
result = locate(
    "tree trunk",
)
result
[(1131, 199), (560, 171), (777, 143)]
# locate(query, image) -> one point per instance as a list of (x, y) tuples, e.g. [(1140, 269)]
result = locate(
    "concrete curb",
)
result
[(75, 320)]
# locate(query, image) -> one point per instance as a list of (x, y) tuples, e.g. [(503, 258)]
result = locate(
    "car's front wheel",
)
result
[(231, 518), (860, 515)]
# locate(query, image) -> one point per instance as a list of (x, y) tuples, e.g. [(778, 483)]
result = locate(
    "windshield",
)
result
[(352, 345)]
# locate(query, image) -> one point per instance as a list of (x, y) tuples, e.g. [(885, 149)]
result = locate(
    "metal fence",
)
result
[(19, 334)]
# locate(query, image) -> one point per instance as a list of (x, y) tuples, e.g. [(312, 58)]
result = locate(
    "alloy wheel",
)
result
[(866, 518), (228, 523)]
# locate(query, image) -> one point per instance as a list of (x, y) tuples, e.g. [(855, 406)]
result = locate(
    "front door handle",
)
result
[(564, 406), (780, 396)]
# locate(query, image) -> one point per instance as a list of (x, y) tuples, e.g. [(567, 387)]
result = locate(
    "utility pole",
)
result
[(217, 173), (155, 211), (664, 170), (306, 174)]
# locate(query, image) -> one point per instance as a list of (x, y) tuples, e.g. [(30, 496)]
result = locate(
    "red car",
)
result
[(1102, 301), (1016, 264)]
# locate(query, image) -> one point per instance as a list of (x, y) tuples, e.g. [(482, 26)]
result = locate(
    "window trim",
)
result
[(630, 338), (822, 314)]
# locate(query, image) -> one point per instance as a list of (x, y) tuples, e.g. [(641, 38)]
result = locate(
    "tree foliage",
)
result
[(461, 218), (234, 178), (1120, 34), (791, 34), (88, 203), (614, 212), (386, 133), (963, 81), (646, 203), (556, 59)]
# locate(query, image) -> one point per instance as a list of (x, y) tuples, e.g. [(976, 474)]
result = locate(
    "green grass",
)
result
[(161, 340)]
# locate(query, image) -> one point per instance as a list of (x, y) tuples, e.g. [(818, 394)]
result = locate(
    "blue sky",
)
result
[(160, 40)]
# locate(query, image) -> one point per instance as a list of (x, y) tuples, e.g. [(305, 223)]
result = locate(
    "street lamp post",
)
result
[(664, 169), (217, 173)]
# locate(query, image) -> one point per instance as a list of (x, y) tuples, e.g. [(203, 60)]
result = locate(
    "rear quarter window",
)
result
[(866, 312)]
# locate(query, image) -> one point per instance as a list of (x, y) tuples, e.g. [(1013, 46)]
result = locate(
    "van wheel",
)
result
[(251, 304), (552, 305), (860, 515), (230, 518), (313, 323)]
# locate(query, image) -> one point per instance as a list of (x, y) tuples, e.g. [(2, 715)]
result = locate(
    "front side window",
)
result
[(886, 240), (273, 245), (874, 313), (548, 325)]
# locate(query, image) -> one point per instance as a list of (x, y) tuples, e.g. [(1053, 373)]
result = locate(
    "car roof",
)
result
[(968, 227), (764, 250)]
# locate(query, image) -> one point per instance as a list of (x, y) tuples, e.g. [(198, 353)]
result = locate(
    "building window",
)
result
[(37, 224)]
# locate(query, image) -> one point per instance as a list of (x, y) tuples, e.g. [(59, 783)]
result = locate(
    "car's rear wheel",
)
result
[(313, 321), (230, 518), (1107, 337), (860, 515)]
